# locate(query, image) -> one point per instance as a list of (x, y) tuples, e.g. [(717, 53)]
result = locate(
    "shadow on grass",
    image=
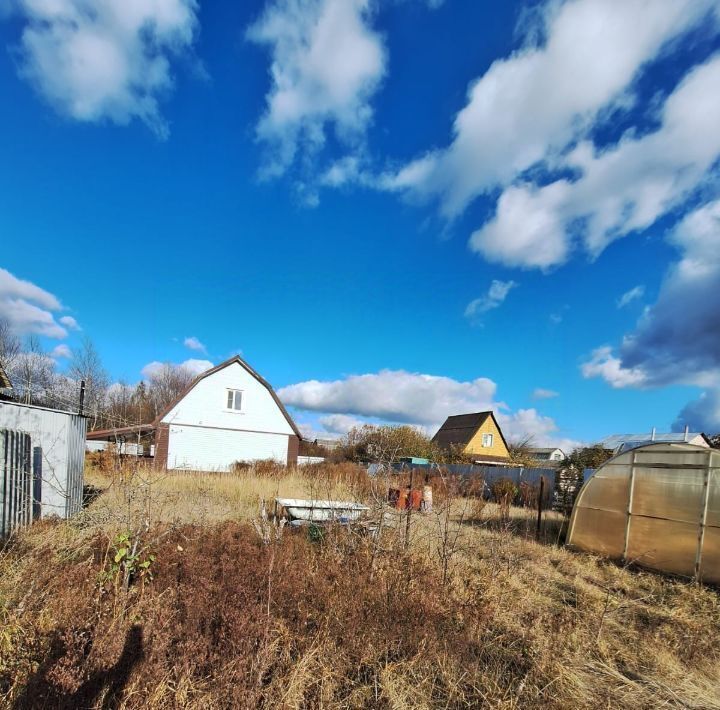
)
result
[(523, 523), (90, 493), (107, 684)]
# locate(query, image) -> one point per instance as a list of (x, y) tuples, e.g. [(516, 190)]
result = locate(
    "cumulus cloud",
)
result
[(495, 296), (677, 339), (339, 423), (61, 351), (393, 395), (541, 393), (629, 296), (702, 414), (327, 62), (193, 343), (532, 104), (619, 190), (29, 309), (401, 397), (196, 367), (69, 322), (528, 132), (106, 59), (603, 363)]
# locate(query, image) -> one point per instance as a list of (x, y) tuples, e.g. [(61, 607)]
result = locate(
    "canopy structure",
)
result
[(658, 506)]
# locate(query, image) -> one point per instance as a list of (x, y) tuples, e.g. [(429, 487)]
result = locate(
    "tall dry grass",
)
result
[(220, 618)]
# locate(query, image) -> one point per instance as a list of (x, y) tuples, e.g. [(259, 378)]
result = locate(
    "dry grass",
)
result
[(343, 621)]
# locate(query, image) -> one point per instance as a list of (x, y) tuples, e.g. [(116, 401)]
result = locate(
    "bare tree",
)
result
[(166, 384), (32, 373), (86, 365), (10, 346)]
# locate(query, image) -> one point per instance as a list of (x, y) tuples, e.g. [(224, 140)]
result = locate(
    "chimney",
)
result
[(687, 430), (652, 436)]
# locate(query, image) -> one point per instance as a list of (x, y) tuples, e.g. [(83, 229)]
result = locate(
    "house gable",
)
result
[(466, 430), (498, 448), (205, 403)]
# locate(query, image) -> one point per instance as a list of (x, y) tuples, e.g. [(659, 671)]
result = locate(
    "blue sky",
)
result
[(395, 210)]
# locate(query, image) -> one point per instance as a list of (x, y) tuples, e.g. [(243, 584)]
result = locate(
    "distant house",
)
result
[(477, 435), (228, 414), (549, 455), (622, 442)]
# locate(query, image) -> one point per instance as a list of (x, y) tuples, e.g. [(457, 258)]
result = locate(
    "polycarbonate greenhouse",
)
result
[(658, 506)]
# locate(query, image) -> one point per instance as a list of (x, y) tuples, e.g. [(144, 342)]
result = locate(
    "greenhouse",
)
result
[(658, 506)]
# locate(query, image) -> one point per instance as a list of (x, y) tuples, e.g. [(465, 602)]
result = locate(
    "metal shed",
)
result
[(57, 441), (658, 506)]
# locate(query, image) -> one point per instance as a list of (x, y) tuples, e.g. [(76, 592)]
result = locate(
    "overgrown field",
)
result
[(171, 591)]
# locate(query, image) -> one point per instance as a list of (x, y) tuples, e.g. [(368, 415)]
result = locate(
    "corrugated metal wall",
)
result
[(489, 474), (16, 507), (58, 455)]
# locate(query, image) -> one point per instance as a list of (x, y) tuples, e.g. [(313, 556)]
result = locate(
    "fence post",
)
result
[(540, 507), (409, 512)]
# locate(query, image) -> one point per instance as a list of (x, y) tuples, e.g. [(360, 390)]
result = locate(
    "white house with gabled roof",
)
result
[(228, 414)]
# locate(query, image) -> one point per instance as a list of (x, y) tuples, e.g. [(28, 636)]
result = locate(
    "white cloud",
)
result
[(192, 343), (61, 351), (529, 107), (528, 229), (11, 286), (402, 397), (495, 296), (327, 62), (621, 189), (702, 414), (196, 367), (629, 296), (105, 59), (339, 423), (604, 364), (541, 393), (393, 395), (28, 308), (69, 322), (677, 339)]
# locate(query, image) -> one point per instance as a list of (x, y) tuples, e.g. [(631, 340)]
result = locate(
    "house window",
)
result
[(234, 400), (487, 440)]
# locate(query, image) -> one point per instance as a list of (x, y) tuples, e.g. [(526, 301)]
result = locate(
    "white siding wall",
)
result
[(203, 449), (206, 404)]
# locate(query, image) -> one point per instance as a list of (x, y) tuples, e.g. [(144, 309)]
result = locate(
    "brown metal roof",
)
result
[(103, 434), (4, 379), (221, 366), (459, 429)]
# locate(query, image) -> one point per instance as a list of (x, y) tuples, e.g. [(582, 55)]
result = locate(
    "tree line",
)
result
[(36, 379)]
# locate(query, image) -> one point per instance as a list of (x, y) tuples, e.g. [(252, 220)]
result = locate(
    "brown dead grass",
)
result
[(227, 621)]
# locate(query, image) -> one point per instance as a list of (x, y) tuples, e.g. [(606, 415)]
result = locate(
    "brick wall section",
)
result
[(162, 439), (293, 450)]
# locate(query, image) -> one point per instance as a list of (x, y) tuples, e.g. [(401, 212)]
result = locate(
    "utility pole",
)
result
[(82, 397)]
